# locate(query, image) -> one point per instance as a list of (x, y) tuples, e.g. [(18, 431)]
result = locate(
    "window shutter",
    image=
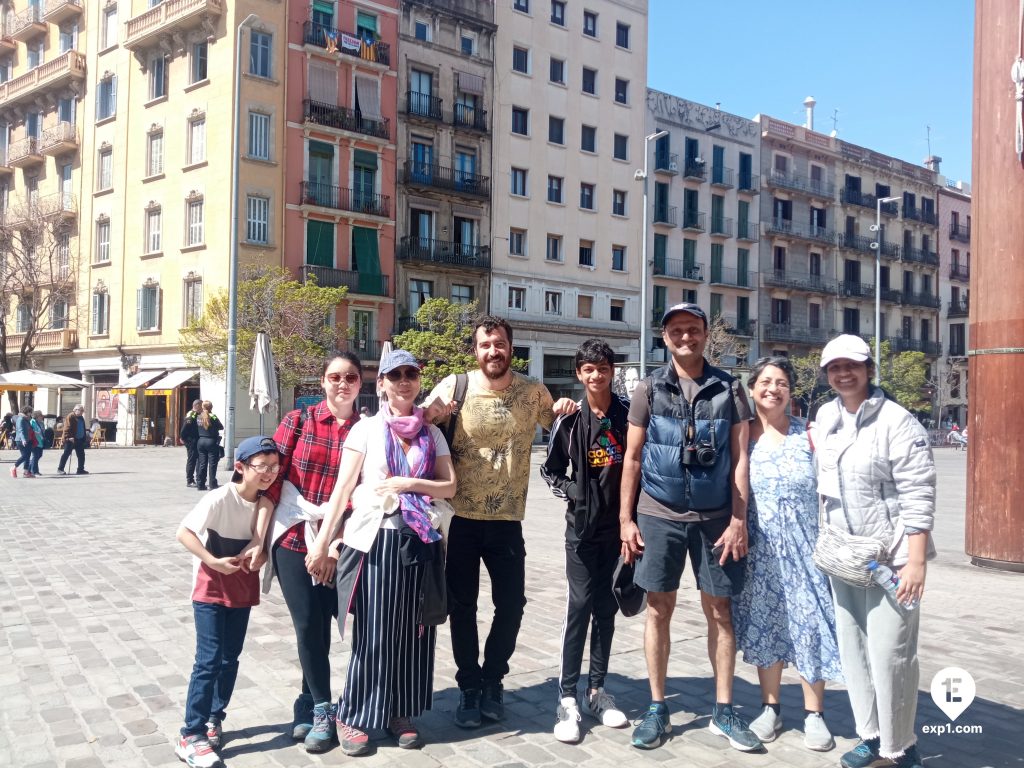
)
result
[(105, 320), (140, 298), (94, 323)]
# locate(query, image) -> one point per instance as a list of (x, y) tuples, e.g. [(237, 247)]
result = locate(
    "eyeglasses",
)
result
[(264, 469), (411, 374), (337, 378)]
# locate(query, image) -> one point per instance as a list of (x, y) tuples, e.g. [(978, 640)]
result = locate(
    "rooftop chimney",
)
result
[(809, 103), (932, 162)]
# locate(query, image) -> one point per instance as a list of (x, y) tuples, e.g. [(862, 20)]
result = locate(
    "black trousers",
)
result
[(312, 608), (208, 451), (499, 545), (191, 457), (590, 603), (78, 446)]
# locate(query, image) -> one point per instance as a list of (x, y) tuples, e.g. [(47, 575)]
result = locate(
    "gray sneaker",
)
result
[(816, 733), (767, 726)]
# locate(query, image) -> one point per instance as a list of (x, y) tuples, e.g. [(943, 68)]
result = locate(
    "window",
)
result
[(554, 189), (157, 77), (516, 298), (100, 313), (814, 315), (588, 138), (590, 24), (468, 45), (200, 62), (63, 255), (621, 34), (617, 311), (23, 321), (155, 154), (106, 175), (6, 67), (521, 5), (517, 242), (589, 81), (192, 299), (557, 71), (554, 248), (621, 90), (259, 54), (585, 307), (618, 202), (366, 26), (520, 121), (109, 27), (520, 60), (106, 98), (154, 226), (194, 234), (259, 136), (518, 182), (35, 54), (556, 130), (421, 30), (558, 12), (587, 196), (586, 253), (257, 219), (462, 294), (552, 302), (420, 292), (196, 140), (621, 150), (780, 311), (147, 307), (34, 124), (618, 258), (102, 252)]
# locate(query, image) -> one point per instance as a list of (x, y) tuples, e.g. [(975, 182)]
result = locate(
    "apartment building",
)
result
[(445, 86), (340, 225), (703, 184), (568, 117), (955, 281)]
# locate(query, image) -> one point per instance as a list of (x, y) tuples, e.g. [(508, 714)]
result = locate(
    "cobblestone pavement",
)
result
[(97, 641)]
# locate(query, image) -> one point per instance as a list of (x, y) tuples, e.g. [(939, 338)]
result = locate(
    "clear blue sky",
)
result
[(890, 67)]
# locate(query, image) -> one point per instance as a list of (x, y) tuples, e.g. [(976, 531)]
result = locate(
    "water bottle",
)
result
[(884, 577)]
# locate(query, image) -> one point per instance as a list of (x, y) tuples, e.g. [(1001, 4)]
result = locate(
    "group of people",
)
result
[(200, 432), (29, 433), (382, 523)]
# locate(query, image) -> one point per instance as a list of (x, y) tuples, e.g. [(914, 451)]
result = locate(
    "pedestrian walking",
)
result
[(38, 425), (222, 533), (24, 441), (392, 465), (189, 434), (75, 439), (208, 450), (876, 475), (310, 445), (686, 452), (584, 468), (784, 614)]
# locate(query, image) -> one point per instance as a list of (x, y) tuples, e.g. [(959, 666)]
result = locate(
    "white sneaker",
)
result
[(567, 726), (816, 733), (767, 726), (601, 705), (196, 752)]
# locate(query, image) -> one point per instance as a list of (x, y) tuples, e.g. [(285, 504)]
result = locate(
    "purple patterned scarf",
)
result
[(415, 506)]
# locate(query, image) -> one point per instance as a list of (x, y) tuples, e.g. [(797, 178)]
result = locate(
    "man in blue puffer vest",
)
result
[(686, 449)]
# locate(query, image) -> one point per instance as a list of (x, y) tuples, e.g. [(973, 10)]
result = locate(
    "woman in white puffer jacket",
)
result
[(876, 476)]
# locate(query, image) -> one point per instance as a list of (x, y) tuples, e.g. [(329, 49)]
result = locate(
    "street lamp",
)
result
[(642, 174), (229, 432), (877, 247)]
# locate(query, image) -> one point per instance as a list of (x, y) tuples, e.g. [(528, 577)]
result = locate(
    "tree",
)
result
[(808, 376), (903, 376), (723, 349), (295, 315), (37, 279)]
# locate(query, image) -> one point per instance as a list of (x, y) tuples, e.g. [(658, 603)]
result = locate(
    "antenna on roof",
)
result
[(835, 123)]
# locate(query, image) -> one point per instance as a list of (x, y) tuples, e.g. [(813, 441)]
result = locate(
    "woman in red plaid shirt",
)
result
[(310, 445)]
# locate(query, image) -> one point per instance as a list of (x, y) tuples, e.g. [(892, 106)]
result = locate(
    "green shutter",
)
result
[(323, 7), (743, 267), (320, 243), (366, 261), (365, 159), (716, 305), (689, 254), (660, 246), (717, 256)]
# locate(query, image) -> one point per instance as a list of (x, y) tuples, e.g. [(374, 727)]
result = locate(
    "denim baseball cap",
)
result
[(693, 309), (398, 358), (253, 446)]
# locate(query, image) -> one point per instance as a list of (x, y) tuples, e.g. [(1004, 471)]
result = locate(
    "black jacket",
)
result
[(211, 432), (189, 427)]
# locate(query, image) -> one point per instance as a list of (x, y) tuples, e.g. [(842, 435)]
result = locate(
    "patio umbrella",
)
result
[(385, 349), (263, 390), (31, 379)]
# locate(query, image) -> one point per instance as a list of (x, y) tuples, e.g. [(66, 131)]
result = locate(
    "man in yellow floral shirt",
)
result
[(491, 450)]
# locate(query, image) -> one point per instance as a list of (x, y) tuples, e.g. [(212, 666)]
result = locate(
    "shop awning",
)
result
[(140, 379), (172, 381)]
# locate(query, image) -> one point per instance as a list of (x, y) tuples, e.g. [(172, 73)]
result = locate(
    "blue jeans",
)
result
[(37, 453), (220, 633), (25, 459)]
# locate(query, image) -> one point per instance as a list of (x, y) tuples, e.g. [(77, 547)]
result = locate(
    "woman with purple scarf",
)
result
[(392, 465)]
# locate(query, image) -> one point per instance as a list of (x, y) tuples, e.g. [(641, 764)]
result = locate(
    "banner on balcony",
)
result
[(350, 43)]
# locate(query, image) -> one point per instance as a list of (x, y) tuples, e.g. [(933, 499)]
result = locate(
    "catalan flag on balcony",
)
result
[(331, 40), (368, 50)]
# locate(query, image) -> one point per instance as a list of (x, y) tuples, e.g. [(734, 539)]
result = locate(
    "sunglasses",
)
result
[(337, 378), (411, 374)]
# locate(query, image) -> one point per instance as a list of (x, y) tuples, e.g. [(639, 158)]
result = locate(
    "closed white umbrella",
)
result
[(263, 390), (385, 350)]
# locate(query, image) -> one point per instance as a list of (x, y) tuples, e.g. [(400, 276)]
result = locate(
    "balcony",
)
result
[(957, 349), (786, 228), (54, 340), (666, 162), (469, 118), (24, 153), (919, 214), (920, 256), (665, 215), (170, 19), (441, 177), (960, 272), (787, 332), (60, 205), (345, 119), (680, 269), (733, 277), (851, 289), (693, 220), (53, 74), (27, 24), (367, 350), (57, 11), (738, 327), (747, 230), (695, 171), (357, 282), (722, 177), (59, 139), (864, 200), (900, 344), (891, 295), (336, 41), (798, 183), (929, 300), (960, 232), (958, 308), (446, 252), (5, 167), (865, 245), (749, 183), (423, 105), (345, 199), (721, 226), (7, 43), (801, 281)]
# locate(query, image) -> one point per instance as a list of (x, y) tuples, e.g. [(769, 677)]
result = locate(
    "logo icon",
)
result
[(953, 691)]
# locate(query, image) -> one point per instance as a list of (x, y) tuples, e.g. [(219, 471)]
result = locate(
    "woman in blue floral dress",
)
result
[(784, 614)]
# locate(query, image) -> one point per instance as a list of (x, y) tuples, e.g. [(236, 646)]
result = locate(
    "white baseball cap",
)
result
[(846, 347)]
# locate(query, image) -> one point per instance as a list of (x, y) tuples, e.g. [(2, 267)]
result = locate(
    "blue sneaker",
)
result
[(909, 759), (302, 716), (725, 722), (324, 733), (650, 733), (864, 755)]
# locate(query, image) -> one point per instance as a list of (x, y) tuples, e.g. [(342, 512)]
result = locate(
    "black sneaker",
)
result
[(190, 484), (468, 713), (491, 705), (302, 716), (81, 472)]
